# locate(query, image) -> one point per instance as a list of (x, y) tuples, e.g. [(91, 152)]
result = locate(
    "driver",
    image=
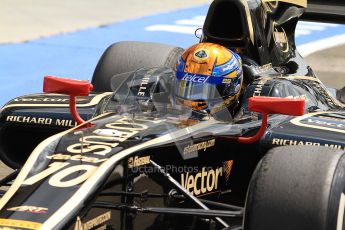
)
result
[(208, 80)]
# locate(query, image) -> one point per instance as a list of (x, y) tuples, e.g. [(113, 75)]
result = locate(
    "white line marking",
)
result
[(310, 27), (201, 17), (190, 22), (302, 33), (322, 44), (317, 23), (172, 28)]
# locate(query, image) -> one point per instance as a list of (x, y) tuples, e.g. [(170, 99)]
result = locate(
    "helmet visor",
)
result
[(203, 87)]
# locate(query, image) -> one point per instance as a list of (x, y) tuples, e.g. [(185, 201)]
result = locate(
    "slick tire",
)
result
[(297, 188), (123, 57)]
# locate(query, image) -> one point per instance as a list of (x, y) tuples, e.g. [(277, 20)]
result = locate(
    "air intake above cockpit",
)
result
[(226, 23)]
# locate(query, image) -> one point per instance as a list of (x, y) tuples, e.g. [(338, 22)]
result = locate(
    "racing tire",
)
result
[(297, 188), (123, 57)]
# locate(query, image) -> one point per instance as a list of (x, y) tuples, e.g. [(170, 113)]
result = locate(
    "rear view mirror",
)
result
[(70, 87), (277, 105), (272, 105), (66, 86)]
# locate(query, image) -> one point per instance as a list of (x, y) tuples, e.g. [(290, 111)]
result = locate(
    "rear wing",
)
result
[(332, 11)]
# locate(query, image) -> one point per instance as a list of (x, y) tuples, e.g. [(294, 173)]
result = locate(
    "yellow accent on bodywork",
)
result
[(20, 224)]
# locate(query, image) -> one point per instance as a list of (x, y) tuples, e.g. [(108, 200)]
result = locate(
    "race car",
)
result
[(121, 154)]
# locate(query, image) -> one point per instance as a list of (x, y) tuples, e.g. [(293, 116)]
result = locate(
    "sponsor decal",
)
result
[(258, 87), (41, 99), (335, 118), (31, 209), (92, 150), (199, 146), (284, 142), (226, 81), (65, 157), (203, 182), (92, 223), (201, 55), (329, 121), (64, 122), (20, 224), (207, 180), (226, 68), (48, 99), (138, 161), (86, 102), (142, 91), (143, 86), (41, 121), (33, 120), (325, 123), (195, 78)]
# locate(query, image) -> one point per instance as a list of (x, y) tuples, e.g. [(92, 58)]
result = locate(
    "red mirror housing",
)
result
[(272, 105), (277, 105), (66, 86), (70, 87)]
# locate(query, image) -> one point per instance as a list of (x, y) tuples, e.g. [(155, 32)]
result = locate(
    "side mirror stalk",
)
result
[(259, 134), (73, 110), (70, 87), (272, 105)]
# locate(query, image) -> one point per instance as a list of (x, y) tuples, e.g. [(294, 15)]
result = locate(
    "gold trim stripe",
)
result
[(302, 3), (335, 100), (20, 224), (249, 21)]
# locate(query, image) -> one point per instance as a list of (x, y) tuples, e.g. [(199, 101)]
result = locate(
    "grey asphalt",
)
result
[(25, 20), (21, 21), (329, 66)]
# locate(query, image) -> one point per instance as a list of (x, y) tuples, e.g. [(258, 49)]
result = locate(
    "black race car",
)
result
[(139, 162)]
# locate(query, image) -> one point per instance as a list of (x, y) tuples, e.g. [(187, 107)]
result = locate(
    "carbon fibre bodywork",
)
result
[(154, 170)]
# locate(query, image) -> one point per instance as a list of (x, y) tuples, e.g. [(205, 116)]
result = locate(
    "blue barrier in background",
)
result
[(75, 55)]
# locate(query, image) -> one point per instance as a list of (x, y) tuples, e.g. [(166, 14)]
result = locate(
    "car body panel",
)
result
[(70, 178)]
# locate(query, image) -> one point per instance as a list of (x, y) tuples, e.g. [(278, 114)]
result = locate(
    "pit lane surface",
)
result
[(67, 39)]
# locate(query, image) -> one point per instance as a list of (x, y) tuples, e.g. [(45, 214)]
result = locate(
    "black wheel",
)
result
[(297, 188), (125, 57)]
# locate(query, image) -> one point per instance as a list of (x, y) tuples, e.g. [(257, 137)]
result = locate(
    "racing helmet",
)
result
[(208, 78)]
